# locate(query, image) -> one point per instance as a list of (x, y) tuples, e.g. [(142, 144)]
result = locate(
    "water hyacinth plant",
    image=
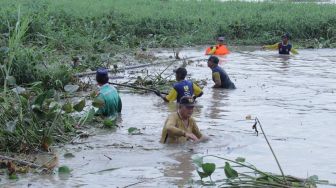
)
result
[(250, 176)]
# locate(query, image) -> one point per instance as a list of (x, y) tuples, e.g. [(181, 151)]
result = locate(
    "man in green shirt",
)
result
[(108, 95)]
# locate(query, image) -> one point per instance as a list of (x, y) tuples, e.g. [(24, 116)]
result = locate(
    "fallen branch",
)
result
[(20, 162), (131, 67), (136, 87)]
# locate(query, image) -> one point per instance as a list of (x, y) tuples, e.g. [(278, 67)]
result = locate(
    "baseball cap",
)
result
[(102, 75), (187, 101), (286, 35), (221, 38)]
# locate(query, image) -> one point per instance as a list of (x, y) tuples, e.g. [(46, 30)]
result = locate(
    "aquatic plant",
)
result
[(33, 119), (250, 176), (244, 174)]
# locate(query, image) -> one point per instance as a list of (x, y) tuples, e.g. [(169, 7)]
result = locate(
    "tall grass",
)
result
[(89, 25)]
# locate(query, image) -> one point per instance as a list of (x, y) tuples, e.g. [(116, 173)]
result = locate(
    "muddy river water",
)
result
[(293, 97)]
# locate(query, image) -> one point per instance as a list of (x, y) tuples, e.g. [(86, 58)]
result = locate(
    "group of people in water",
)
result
[(180, 126)]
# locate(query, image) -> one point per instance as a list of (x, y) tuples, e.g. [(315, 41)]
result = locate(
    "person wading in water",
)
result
[(180, 126), (219, 76), (181, 88)]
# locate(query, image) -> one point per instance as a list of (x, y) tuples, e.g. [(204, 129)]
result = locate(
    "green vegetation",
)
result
[(56, 31), (34, 119), (250, 176), (39, 38)]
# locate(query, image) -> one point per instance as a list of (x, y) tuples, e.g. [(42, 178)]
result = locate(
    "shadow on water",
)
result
[(294, 98)]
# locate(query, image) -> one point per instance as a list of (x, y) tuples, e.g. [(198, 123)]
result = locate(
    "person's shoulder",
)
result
[(188, 82), (111, 87), (217, 69), (193, 121), (214, 69), (173, 115)]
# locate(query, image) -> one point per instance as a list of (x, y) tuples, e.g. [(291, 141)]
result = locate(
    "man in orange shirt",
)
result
[(219, 49)]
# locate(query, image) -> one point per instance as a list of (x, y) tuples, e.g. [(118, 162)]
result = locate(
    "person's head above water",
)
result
[(180, 73), (102, 76), (213, 61), (220, 40), (285, 37), (186, 106)]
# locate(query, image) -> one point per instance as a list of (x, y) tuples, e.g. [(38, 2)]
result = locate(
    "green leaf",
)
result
[(90, 115), (198, 161), (80, 106), (133, 131), (37, 110), (47, 140), (98, 103), (93, 94), (296, 184), (71, 88), (24, 101), (208, 168), (13, 177), (11, 80), (313, 178), (50, 93), (229, 171), (202, 174), (64, 170), (42, 97), (109, 123), (240, 159), (67, 107)]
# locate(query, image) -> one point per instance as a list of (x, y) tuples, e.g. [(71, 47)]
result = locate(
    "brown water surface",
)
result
[(293, 97)]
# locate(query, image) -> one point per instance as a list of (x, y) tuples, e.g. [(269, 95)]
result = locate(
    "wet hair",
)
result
[(213, 59), (102, 76), (181, 73)]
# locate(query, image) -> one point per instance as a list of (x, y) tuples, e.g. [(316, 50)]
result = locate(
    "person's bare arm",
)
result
[(217, 80)]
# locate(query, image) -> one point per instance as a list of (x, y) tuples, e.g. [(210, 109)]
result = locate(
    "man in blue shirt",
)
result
[(219, 76), (182, 88)]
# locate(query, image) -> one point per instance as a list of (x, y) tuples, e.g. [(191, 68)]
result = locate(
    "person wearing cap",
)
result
[(219, 49), (284, 47), (181, 88), (180, 126), (108, 95), (219, 76)]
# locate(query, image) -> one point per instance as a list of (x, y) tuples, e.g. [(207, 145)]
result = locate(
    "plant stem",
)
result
[(269, 145), (244, 165)]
